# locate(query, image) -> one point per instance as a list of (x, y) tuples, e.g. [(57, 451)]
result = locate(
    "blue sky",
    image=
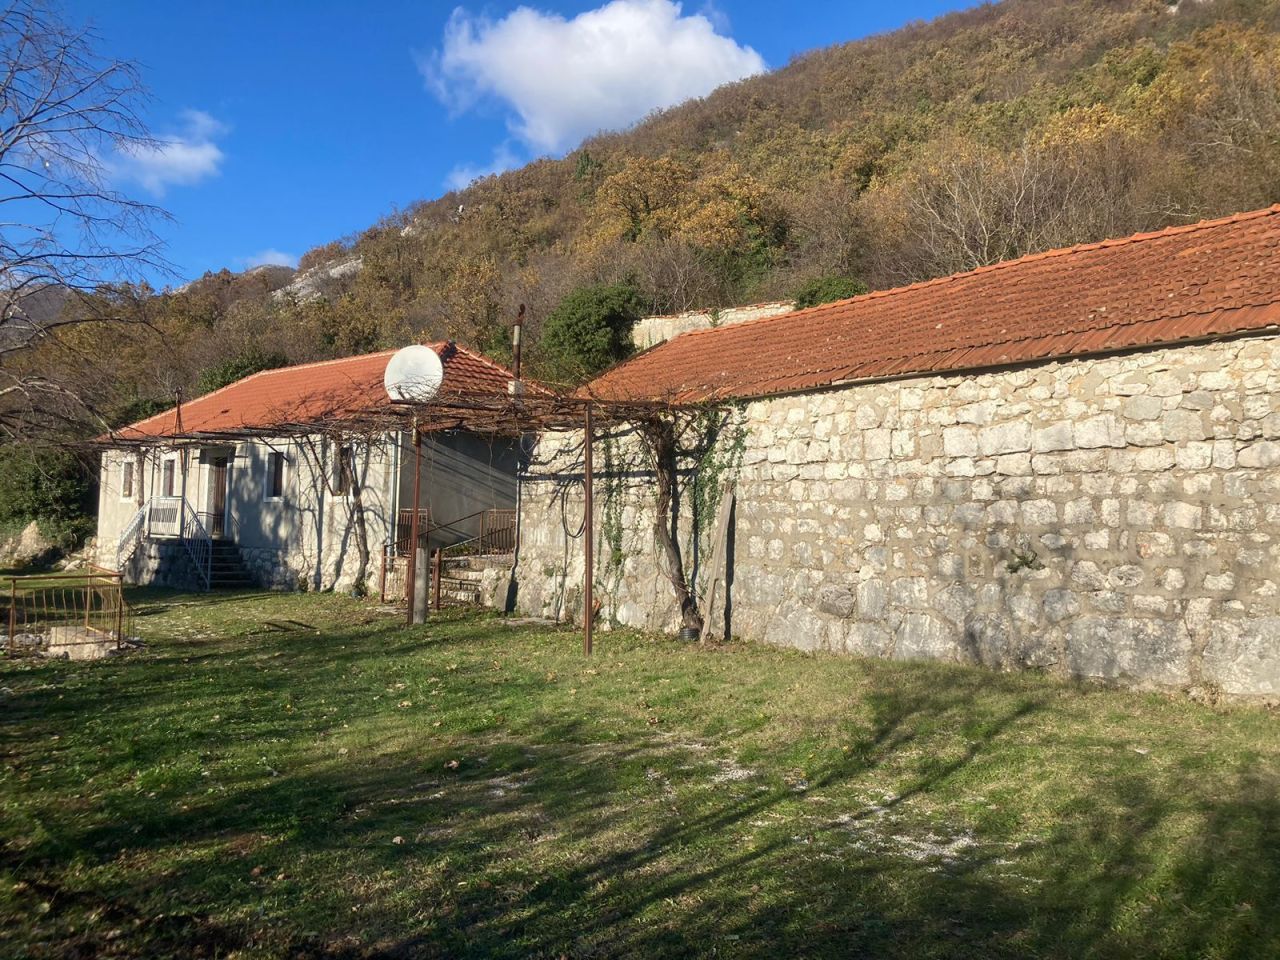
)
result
[(287, 125)]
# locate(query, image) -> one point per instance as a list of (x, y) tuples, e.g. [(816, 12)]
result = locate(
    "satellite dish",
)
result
[(414, 374)]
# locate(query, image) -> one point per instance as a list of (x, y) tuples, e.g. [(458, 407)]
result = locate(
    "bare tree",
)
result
[(662, 435), (66, 112), (967, 205)]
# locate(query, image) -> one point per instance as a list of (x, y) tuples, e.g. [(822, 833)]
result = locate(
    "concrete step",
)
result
[(479, 562), (467, 574)]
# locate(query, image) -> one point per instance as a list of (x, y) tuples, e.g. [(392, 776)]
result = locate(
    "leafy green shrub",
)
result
[(54, 488), (589, 331), (238, 367), (828, 290)]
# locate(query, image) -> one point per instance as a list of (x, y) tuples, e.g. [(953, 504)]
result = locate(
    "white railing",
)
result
[(166, 515), (198, 543), (131, 535), (170, 518)]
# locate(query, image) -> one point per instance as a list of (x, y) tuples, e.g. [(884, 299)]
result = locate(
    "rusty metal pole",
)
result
[(13, 615), (588, 531), (411, 569)]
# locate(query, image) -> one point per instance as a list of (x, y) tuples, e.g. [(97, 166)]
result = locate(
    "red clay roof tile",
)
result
[(312, 393), (1212, 278)]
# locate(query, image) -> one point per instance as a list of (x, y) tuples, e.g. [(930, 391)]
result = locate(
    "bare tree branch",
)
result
[(65, 112)]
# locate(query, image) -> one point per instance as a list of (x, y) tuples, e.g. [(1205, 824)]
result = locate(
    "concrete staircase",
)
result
[(463, 579), (226, 568)]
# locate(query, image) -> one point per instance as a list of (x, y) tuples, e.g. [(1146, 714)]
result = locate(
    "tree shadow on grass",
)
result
[(559, 843)]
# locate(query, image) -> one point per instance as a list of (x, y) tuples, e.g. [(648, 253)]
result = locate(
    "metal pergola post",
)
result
[(588, 532)]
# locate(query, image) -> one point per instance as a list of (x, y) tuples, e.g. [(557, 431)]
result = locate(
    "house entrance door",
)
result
[(218, 507)]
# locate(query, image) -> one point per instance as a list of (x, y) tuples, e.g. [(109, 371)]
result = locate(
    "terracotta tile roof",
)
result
[(1212, 278), (312, 392)]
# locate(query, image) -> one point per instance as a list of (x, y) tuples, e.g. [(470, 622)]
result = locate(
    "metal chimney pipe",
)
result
[(516, 330)]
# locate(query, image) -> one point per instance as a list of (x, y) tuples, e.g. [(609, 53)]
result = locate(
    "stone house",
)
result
[(268, 481), (1068, 462)]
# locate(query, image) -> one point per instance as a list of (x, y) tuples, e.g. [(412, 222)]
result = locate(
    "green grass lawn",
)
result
[(302, 776)]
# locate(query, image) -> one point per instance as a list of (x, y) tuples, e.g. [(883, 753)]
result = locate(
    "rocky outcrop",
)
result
[(26, 548)]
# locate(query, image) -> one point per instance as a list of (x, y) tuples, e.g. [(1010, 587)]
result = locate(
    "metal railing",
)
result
[(198, 543), (78, 614), (497, 534), (404, 528), (497, 537), (131, 536), (165, 516), (221, 526), (173, 518)]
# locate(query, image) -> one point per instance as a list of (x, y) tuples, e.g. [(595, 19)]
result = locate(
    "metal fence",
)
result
[(82, 615)]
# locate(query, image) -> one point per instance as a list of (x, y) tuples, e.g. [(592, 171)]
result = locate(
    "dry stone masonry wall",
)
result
[(1114, 518), (651, 331)]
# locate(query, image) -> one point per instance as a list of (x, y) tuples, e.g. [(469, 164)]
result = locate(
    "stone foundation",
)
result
[(1114, 518), (161, 563), (270, 569)]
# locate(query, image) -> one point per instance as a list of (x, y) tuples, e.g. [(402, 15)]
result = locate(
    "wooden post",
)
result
[(439, 571), (411, 570), (588, 531), (13, 615), (421, 568), (382, 578), (719, 556)]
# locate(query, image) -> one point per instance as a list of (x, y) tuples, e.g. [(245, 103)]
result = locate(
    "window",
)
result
[(166, 481), (346, 471), (275, 475), (126, 481)]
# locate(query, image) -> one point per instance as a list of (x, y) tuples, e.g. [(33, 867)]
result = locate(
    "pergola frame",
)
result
[(518, 413)]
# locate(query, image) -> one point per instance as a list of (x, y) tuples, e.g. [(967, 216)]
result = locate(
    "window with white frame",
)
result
[(126, 480), (275, 475)]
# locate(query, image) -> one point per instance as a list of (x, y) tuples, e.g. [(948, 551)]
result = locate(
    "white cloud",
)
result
[(463, 175), (270, 258), (177, 159), (603, 69)]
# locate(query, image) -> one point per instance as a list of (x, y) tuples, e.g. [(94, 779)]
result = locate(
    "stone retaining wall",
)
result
[(162, 563), (651, 331), (1116, 518)]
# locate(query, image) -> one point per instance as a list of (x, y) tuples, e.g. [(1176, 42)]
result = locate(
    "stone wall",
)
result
[(1114, 518), (162, 563), (654, 330)]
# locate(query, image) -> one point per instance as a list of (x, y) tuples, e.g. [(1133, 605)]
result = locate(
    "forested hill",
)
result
[(984, 135)]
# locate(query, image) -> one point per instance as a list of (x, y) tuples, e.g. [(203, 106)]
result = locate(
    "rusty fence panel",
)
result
[(80, 614)]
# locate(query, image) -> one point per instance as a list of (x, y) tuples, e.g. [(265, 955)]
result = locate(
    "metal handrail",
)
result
[(230, 526), (131, 536), (198, 543), (502, 537)]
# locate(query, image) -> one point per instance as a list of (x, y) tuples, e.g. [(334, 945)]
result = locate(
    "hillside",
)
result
[(984, 135)]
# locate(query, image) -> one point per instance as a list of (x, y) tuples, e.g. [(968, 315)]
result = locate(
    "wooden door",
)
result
[(218, 509)]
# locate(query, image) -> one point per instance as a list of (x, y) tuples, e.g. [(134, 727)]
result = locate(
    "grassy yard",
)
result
[(301, 776)]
